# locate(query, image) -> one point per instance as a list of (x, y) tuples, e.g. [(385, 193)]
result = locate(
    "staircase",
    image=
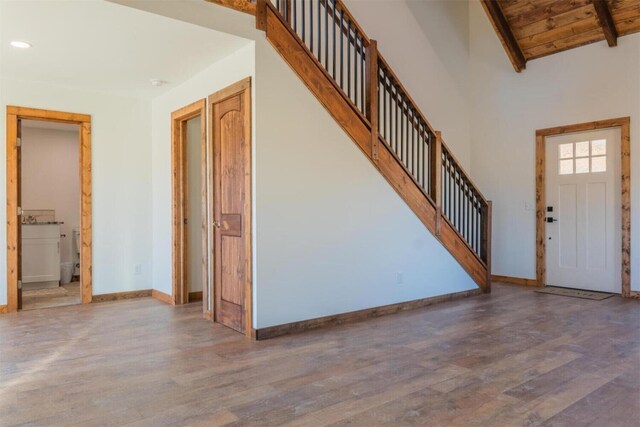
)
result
[(323, 43)]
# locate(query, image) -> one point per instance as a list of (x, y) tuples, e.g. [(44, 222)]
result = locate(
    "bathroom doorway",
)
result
[(48, 208), (189, 197)]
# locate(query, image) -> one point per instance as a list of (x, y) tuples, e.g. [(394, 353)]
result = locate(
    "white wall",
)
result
[(194, 201), (121, 179), (426, 44), (589, 83), (229, 70), (51, 178), (332, 235)]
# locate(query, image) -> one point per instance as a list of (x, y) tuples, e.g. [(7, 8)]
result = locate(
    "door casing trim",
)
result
[(179, 271), (624, 123), (84, 121)]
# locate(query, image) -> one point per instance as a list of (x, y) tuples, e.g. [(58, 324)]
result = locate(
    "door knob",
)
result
[(216, 224)]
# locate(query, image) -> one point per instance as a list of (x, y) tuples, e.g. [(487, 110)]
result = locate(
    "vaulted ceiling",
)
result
[(530, 29)]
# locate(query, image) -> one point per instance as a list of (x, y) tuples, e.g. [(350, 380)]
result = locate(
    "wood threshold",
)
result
[(624, 124), (4, 309), (13, 115), (161, 296), (195, 296), (116, 296), (514, 280), (357, 316)]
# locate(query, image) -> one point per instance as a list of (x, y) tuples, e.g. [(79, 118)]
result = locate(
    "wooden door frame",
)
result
[(625, 168), (241, 86), (84, 121), (179, 200)]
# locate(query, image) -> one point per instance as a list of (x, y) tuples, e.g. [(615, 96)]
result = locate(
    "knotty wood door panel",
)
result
[(230, 110)]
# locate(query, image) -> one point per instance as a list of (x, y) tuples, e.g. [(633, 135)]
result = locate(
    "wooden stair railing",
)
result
[(323, 43)]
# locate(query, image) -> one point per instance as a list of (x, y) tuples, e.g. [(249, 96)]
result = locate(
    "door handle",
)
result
[(216, 224), (550, 219)]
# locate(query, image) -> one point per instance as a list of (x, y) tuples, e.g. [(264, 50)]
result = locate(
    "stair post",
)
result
[(372, 95), (436, 179), (261, 15), (486, 241)]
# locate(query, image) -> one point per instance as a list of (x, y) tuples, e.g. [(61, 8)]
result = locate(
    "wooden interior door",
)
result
[(230, 130)]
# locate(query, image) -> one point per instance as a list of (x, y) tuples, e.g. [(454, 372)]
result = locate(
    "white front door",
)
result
[(583, 205)]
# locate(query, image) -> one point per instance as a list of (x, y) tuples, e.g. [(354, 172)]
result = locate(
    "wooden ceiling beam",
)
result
[(508, 40), (606, 22)]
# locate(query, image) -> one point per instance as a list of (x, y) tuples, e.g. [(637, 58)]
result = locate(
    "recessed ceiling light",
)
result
[(20, 44), (157, 82)]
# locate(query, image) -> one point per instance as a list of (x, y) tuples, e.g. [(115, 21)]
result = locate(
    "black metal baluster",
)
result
[(475, 224), (363, 67), (395, 121), (295, 16), (310, 24), (420, 138), (458, 200), (319, 32), (341, 46), (450, 189), (356, 68), (304, 20), (402, 132), (386, 124), (466, 213), (349, 58), (416, 143), (412, 154), (333, 27), (326, 36)]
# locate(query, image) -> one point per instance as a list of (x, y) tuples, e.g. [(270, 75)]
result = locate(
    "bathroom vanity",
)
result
[(40, 255)]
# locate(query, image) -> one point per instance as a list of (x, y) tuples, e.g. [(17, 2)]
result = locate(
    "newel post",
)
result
[(372, 95), (486, 241), (436, 179)]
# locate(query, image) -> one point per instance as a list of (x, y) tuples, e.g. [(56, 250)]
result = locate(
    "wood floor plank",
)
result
[(513, 357)]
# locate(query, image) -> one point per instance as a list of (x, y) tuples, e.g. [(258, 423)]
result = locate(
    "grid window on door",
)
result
[(582, 157)]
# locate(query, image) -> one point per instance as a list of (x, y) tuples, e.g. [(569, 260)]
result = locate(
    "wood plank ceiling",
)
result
[(530, 29)]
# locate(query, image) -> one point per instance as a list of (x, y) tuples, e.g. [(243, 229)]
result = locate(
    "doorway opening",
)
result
[(583, 217), (189, 187), (48, 208)]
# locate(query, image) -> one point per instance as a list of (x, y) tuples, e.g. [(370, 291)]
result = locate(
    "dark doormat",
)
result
[(575, 293)]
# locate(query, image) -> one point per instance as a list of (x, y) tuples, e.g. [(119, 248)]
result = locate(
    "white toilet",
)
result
[(76, 251)]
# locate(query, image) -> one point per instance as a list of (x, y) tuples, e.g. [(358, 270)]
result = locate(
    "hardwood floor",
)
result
[(511, 358)]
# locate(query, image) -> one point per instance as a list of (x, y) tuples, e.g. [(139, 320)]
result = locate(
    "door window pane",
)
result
[(566, 151), (582, 149), (566, 167), (599, 164), (582, 165), (599, 147)]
